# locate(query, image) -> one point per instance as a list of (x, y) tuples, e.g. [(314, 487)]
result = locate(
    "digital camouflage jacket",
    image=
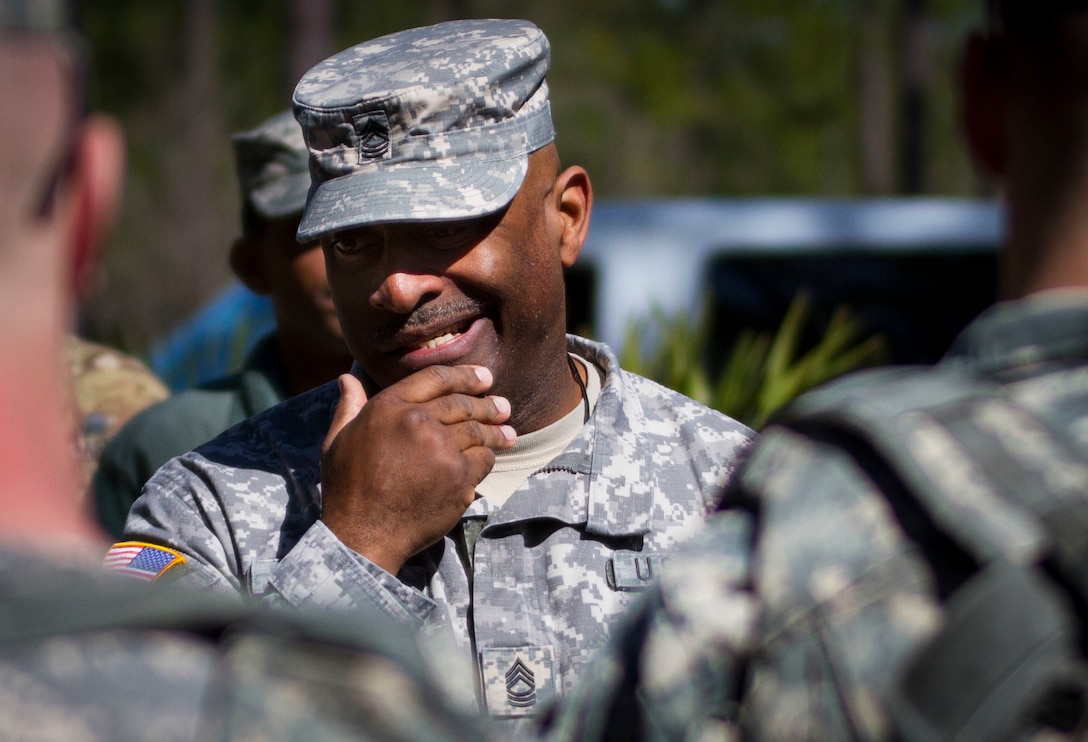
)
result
[(179, 424), (86, 655), (551, 568), (901, 557)]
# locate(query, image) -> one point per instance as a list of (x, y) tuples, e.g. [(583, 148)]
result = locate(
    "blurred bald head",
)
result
[(37, 131), (60, 178)]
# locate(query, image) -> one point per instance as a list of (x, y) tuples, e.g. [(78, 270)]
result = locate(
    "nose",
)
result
[(401, 291)]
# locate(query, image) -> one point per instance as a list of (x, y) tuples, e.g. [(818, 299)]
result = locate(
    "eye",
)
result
[(454, 235), (348, 244)]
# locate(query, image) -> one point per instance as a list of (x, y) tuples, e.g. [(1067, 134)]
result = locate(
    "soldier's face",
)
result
[(299, 288), (486, 291)]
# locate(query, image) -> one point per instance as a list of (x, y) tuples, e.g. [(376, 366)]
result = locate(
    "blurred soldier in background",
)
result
[(904, 554), (304, 351), (110, 387), (85, 655)]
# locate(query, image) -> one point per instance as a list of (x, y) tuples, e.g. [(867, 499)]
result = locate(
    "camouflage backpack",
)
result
[(92, 656), (996, 498)]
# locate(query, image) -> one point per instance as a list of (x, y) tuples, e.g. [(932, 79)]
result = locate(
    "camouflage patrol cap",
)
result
[(428, 124), (272, 165)]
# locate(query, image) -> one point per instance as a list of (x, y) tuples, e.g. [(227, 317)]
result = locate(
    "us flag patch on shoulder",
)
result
[(143, 561)]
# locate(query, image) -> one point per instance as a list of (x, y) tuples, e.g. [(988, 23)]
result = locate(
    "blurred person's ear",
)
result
[(98, 176), (983, 102)]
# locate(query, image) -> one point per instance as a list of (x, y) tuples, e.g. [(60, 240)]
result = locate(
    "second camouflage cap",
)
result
[(272, 165), (428, 124)]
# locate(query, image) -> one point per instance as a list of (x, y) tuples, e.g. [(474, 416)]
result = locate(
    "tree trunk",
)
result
[(309, 37), (876, 99), (196, 160), (191, 242), (916, 82)]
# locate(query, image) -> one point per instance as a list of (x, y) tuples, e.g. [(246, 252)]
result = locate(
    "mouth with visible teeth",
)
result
[(440, 340), (443, 336), (446, 334)]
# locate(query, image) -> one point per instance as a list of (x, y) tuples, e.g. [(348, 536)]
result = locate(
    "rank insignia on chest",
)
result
[(631, 570), (517, 680), (146, 562)]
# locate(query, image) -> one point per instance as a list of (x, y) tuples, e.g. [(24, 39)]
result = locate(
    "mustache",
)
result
[(428, 315)]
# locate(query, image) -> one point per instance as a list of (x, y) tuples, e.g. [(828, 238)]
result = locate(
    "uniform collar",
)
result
[(1018, 335), (600, 479)]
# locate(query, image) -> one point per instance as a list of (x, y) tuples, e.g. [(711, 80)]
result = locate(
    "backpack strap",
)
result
[(994, 477), (1004, 661), (963, 464)]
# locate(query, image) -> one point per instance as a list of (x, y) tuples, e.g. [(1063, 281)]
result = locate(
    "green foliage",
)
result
[(662, 98), (761, 372)]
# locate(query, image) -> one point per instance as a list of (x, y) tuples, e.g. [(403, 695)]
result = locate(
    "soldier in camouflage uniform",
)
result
[(903, 555), (88, 655), (480, 471), (110, 387), (305, 350)]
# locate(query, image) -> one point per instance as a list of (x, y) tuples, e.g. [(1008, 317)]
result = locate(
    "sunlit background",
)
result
[(714, 100)]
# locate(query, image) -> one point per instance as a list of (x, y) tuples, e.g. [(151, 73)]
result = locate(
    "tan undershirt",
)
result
[(534, 450)]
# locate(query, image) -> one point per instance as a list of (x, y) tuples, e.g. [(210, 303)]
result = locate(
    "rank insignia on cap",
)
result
[(373, 132), (143, 561)]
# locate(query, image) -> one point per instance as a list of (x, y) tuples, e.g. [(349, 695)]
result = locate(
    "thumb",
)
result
[(352, 399)]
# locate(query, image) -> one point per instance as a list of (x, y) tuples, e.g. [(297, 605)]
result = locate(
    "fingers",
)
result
[(453, 395), (458, 408), (440, 381), (502, 408), (352, 399), (473, 434), (440, 441), (480, 461)]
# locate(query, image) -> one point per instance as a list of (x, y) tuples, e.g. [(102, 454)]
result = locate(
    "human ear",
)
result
[(99, 173), (574, 195), (983, 86), (246, 260)]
